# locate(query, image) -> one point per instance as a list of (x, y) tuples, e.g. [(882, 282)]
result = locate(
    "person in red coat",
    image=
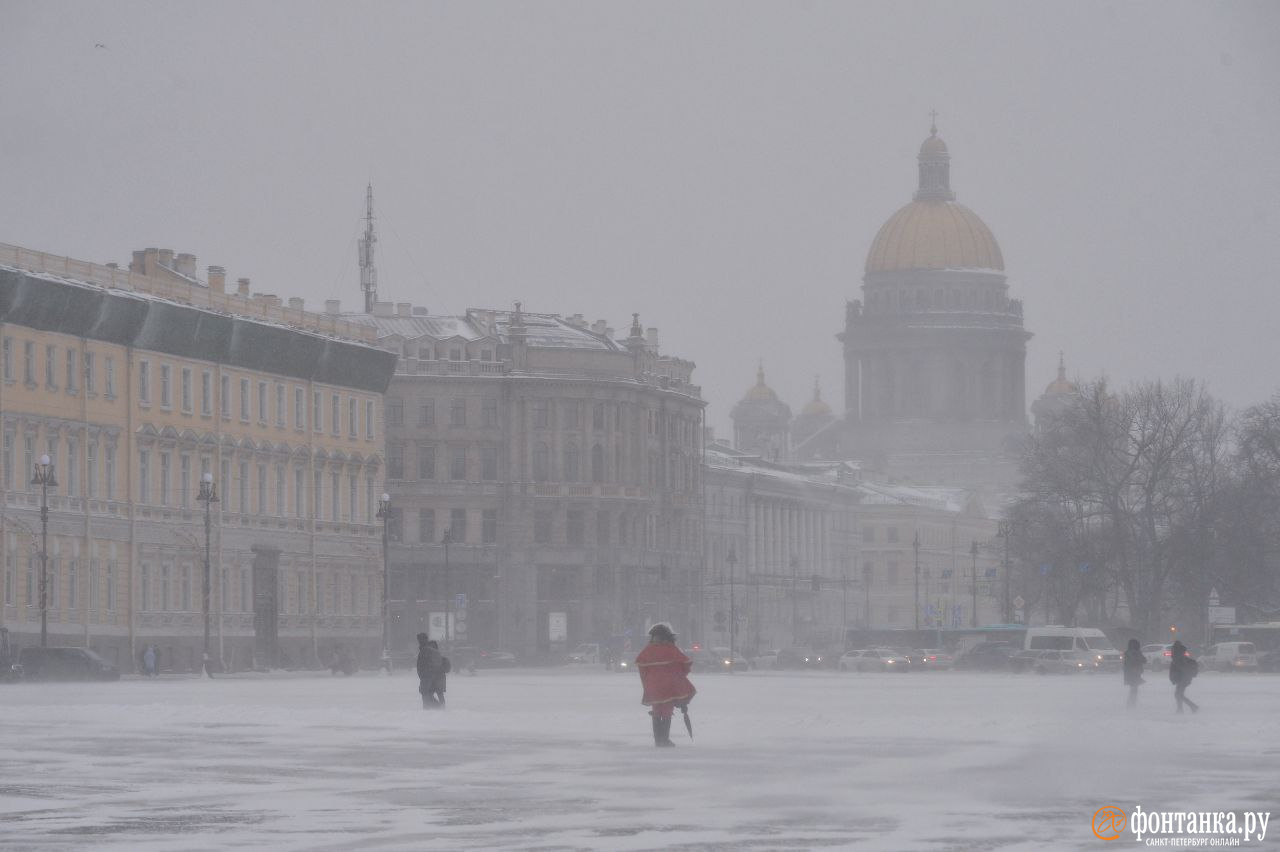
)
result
[(664, 674)]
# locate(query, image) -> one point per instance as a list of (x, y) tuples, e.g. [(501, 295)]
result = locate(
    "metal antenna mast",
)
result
[(368, 272)]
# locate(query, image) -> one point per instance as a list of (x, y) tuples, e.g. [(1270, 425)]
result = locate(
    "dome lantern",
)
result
[(935, 167)]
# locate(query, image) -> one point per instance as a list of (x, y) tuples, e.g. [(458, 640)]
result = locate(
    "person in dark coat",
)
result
[(664, 674), (1181, 670), (1134, 663), (428, 664), (438, 681)]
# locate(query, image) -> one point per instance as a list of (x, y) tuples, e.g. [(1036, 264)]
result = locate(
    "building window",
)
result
[(368, 418), (317, 494), (335, 414), (353, 511), (244, 400), (73, 468), (542, 526), (426, 461), (8, 461), (164, 479), (51, 367), (280, 491), (242, 488), (573, 529), (602, 528), (426, 412), (541, 462), (458, 412), (427, 526), (164, 588), (317, 410), (282, 411), (299, 409), (206, 393), (597, 463), (262, 402), (335, 495), (868, 535), (111, 586), (144, 587), (570, 462), (541, 415), (29, 362), (573, 415), (597, 416), (186, 389), (458, 525), (166, 386), (261, 506), (90, 468), (299, 500), (893, 535), (353, 424), (224, 401), (90, 376), (489, 412), (489, 526), (489, 463), (8, 358), (457, 463), (144, 476), (109, 475), (186, 587), (395, 461)]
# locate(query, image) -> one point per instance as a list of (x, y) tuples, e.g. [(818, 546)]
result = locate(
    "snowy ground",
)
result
[(563, 759)]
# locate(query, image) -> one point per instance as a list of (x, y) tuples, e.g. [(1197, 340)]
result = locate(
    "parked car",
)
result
[(1023, 660), (463, 655), (1059, 662), (1158, 656), (766, 660), (936, 658), (873, 660), (1230, 657), (587, 652), (734, 661), (989, 656), (1269, 661), (65, 664)]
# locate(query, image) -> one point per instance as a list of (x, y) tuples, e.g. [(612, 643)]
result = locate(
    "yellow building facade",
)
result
[(135, 386)]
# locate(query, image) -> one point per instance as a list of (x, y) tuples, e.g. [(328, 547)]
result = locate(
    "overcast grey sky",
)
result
[(719, 167)]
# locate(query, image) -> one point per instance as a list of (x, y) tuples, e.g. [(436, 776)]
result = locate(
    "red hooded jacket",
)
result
[(664, 671)]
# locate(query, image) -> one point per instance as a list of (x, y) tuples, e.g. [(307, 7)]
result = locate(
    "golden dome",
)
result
[(934, 235), (760, 392), (1060, 386), (816, 407), (933, 145)]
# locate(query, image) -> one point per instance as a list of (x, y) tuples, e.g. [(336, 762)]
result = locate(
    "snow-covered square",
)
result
[(564, 759)]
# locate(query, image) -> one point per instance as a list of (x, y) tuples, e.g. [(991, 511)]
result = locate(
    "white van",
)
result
[(1230, 657), (1086, 644)]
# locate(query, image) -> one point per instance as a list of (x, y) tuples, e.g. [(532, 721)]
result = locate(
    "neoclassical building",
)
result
[(935, 349), (544, 478), (136, 383)]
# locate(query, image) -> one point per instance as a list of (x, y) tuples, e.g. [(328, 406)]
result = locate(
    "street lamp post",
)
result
[(384, 515), (973, 616), (43, 476), (1005, 531), (915, 545), (208, 496), (732, 559), (448, 587)]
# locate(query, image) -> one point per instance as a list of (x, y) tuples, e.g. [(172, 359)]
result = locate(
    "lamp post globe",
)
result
[(44, 477), (384, 515)]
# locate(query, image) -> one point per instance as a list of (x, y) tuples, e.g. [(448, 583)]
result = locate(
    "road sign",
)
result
[(1019, 602), (460, 600), (1222, 615)]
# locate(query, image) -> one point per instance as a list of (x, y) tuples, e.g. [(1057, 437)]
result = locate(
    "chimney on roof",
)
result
[(384, 310), (271, 299), (166, 258), (242, 288), (144, 262), (185, 264), (600, 326), (419, 311), (296, 303), (333, 307), (404, 309), (113, 266), (217, 279), (608, 332)]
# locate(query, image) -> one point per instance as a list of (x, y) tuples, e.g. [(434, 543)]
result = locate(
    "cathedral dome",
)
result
[(934, 235), (933, 231), (760, 392), (1061, 386), (816, 407)]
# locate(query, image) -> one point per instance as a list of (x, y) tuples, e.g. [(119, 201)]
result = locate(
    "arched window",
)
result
[(570, 462), (597, 463), (541, 462)]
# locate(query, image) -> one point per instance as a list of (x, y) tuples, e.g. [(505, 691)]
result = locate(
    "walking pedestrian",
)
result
[(443, 667), (1134, 663), (664, 674), (149, 661), (1182, 669), (428, 664)]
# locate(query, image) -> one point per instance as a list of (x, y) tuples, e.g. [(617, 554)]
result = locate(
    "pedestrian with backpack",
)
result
[(443, 667), (1182, 669)]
